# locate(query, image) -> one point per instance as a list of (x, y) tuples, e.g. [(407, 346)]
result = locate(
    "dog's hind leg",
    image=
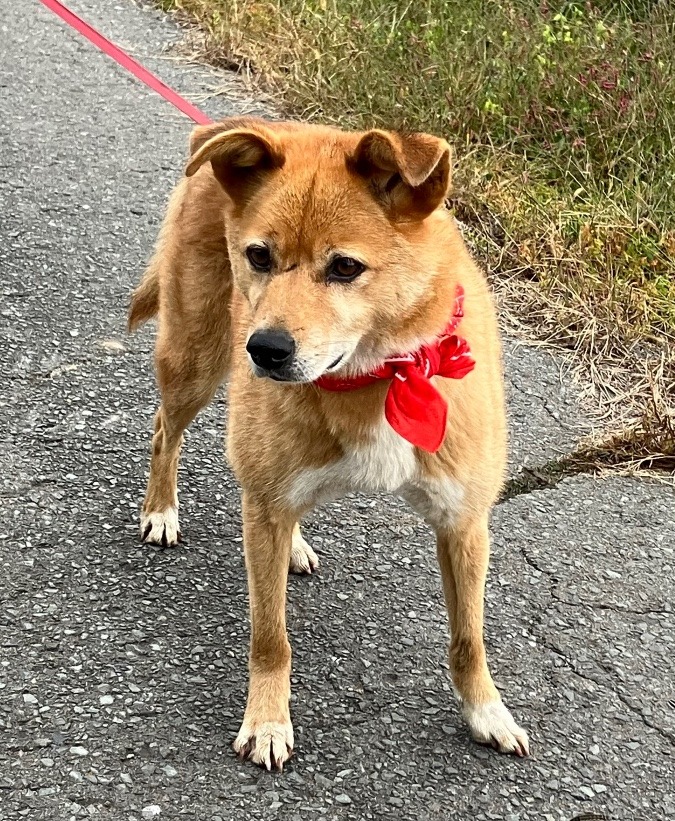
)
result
[(463, 558), (188, 379), (303, 559)]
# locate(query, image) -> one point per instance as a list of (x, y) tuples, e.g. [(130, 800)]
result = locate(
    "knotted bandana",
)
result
[(413, 407)]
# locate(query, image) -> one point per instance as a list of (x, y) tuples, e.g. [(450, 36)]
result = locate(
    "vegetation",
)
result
[(563, 120)]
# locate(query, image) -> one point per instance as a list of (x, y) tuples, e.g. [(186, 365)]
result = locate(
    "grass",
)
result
[(563, 120)]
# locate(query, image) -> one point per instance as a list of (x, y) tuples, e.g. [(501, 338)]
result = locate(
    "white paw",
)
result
[(161, 528), (491, 723), (269, 744), (303, 559)]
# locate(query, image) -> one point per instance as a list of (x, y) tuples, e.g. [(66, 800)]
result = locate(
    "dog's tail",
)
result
[(145, 299)]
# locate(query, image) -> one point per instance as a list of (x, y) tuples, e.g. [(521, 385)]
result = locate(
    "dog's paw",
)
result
[(491, 723), (303, 559), (161, 528), (269, 743)]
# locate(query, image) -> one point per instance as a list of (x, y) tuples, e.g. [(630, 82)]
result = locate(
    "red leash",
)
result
[(126, 61)]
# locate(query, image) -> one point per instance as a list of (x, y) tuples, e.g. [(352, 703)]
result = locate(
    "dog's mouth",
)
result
[(295, 374), (334, 364), (286, 375)]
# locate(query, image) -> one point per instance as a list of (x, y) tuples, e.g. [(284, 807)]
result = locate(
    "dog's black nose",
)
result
[(271, 349)]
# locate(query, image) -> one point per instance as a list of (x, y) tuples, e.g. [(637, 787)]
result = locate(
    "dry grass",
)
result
[(563, 118)]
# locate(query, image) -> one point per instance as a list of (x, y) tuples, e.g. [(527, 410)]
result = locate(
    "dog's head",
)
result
[(331, 239)]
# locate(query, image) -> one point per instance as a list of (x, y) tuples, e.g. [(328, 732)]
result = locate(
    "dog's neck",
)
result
[(413, 406)]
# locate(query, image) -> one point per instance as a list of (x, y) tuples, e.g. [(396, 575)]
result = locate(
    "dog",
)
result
[(320, 273)]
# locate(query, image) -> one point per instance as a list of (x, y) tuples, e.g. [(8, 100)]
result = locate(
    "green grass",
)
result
[(563, 120)]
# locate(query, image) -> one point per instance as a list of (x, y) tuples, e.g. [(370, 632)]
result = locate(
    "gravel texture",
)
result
[(123, 668)]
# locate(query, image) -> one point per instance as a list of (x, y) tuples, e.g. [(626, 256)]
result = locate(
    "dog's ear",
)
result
[(203, 133), (241, 152), (408, 173)]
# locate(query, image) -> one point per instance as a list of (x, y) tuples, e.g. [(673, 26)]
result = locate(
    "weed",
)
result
[(563, 120)]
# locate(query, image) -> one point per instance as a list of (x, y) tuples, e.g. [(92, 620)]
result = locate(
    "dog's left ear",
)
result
[(409, 173)]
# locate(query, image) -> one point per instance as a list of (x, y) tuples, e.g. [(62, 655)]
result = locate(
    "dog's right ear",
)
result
[(203, 133), (239, 156)]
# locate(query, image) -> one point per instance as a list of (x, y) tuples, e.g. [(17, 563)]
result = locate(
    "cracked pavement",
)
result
[(123, 668)]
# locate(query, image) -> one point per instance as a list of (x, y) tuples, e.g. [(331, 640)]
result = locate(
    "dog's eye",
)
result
[(260, 257), (344, 269)]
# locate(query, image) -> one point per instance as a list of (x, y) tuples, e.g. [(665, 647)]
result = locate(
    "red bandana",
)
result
[(413, 407)]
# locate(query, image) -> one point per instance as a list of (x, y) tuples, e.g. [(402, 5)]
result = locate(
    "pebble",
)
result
[(111, 345), (151, 811), (343, 798)]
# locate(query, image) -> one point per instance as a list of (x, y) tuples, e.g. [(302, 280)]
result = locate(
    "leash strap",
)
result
[(126, 61)]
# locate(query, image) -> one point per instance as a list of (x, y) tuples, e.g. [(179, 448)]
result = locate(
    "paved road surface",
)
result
[(123, 669)]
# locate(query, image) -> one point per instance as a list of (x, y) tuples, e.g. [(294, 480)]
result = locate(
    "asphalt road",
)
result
[(123, 668)]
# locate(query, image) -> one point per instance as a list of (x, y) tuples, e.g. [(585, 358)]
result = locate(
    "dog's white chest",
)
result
[(386, 463)]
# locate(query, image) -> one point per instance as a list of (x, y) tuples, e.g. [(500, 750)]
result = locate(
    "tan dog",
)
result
[(292, 253)]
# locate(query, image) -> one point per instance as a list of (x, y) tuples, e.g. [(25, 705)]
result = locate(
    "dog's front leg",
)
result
[(266, 734), (463, 558)]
